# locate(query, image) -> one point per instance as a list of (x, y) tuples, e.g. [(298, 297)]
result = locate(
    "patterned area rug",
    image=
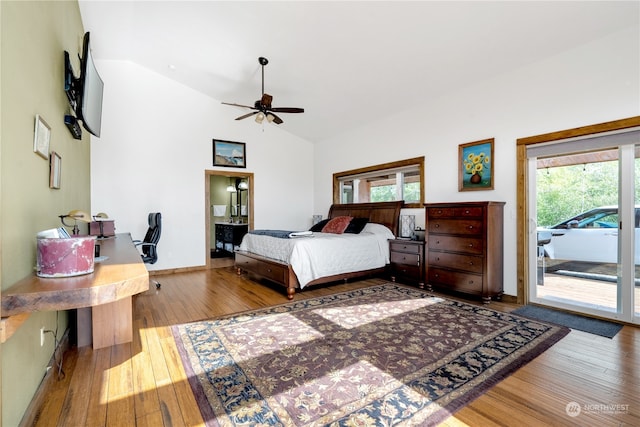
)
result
[(385, 355)]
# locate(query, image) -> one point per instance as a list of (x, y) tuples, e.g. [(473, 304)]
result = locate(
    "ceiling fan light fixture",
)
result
[(262, 107)]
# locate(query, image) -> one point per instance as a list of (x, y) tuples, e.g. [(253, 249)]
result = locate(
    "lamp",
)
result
[(243, 185), (260, 117), (98, 218), (407, 225), (76, 215), (270, 117)]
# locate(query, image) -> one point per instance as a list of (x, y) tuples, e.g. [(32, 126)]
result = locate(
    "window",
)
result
[(401, 180)]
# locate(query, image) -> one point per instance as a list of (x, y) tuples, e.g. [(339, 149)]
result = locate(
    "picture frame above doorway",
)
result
[(229, 154)]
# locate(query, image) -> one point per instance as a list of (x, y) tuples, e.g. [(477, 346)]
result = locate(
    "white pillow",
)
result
[(379, 229)]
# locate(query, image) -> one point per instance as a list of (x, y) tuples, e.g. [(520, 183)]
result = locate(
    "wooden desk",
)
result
[(103, 298)]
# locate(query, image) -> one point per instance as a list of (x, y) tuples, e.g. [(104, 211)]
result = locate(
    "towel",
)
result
[(219, 210), (282, 234)]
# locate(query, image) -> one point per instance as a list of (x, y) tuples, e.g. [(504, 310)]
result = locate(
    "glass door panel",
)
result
[(577, 231)]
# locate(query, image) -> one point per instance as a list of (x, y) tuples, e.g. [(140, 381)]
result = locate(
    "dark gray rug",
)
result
[(573, 321)]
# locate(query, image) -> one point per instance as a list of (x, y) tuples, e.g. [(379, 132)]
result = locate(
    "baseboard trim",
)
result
[(177, 270), (48, 384)]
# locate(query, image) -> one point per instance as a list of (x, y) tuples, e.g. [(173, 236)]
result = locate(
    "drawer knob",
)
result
[(437, 226), (470, 245), (471, 227), (467, 212), (436, 275), (470, 262), (437, 258)]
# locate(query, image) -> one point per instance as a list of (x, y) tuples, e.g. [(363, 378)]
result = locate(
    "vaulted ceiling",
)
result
[(346, 63)]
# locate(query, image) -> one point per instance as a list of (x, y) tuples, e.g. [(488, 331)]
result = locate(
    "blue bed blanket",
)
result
[(282, 234)]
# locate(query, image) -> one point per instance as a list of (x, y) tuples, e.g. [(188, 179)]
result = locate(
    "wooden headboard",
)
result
[(385, 213)]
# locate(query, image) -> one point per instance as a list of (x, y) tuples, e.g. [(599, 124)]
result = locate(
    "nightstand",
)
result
[(407, 261)]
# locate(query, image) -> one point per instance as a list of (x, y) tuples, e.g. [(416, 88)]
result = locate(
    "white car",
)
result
[(591, 236)]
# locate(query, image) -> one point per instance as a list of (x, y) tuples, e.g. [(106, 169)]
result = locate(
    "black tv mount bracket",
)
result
[(73, 126)]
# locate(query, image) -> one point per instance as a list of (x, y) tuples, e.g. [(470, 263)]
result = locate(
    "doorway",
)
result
[(226, 208), (581, 232)]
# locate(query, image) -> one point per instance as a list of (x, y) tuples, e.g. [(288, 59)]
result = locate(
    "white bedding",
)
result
[(325, 254)]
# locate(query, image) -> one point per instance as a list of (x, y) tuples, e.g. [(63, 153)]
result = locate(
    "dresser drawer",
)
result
[(456, 226), (396, 246), (449, 212), (405, 258), (463, 282), (412, 272), (468, 245), (273, 272), (468, 263)]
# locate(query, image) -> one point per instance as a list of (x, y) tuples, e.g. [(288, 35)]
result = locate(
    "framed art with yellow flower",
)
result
[(475, 165)]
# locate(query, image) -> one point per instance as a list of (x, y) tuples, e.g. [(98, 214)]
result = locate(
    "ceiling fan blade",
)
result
[(247, 115), (277, 120), (287, 110), (237, 105)]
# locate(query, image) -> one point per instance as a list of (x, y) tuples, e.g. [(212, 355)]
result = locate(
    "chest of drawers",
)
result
[(229, 235), (464, 251)]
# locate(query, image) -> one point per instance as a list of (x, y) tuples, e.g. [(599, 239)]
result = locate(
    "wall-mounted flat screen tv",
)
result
[(85, 92), (90, 105)]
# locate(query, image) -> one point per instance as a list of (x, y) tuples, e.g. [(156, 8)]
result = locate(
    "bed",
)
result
[(271, 258)]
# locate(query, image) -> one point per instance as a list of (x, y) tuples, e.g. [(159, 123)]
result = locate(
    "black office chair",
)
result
[(150, 242)]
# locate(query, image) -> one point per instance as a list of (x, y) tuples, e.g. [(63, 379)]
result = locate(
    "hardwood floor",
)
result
[(143, 383)]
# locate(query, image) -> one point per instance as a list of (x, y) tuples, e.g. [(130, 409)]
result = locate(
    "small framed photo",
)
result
[(55, 170), (475, 165), (229, 154), (42, 137)]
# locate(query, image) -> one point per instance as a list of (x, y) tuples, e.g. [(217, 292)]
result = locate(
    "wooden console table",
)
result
[(103, 298)]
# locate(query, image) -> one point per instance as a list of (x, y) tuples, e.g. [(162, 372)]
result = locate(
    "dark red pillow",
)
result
[(337, 225)]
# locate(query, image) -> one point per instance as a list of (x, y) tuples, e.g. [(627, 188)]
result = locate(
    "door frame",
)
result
[(522, 186), (207, 203)]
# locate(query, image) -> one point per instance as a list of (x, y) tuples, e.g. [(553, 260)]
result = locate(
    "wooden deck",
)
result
[(586, 291), (143, 383)]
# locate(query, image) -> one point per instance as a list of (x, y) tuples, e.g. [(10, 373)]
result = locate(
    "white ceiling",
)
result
[(345, 63)]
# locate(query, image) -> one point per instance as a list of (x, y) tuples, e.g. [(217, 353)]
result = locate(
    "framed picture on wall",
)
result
[(229, 154), (55, 170), (475, 165), (41, 137)]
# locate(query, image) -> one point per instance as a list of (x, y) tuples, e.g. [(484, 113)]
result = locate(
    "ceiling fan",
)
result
[(262, 107)]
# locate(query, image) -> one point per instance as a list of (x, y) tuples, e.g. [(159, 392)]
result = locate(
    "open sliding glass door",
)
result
[(583, 234)]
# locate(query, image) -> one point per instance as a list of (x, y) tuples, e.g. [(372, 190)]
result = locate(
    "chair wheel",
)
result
[(158, 285)]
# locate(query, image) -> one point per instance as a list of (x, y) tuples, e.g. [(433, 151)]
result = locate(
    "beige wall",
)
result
[(34, 36)]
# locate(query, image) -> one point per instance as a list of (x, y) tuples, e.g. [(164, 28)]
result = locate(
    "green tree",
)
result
[(563, 192)]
